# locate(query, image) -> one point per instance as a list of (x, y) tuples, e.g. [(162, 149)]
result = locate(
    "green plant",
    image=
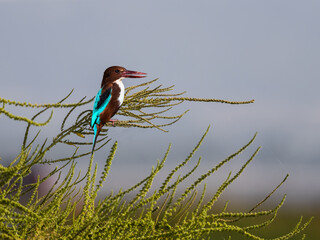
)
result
[(68, 211)]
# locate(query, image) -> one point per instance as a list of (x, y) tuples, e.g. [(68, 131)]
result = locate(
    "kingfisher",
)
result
[(110, 97)]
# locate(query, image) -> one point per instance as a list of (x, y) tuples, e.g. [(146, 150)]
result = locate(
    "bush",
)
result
[(67, 211)]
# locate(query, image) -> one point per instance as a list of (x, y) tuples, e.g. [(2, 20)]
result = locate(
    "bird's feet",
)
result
[(113, 120)]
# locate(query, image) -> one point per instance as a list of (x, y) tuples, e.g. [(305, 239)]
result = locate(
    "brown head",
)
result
[(114, 73)]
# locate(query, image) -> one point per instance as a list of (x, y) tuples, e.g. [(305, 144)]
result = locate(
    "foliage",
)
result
[(67, 211)]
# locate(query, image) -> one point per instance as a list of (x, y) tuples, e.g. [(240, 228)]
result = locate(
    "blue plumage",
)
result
[(100, 103)]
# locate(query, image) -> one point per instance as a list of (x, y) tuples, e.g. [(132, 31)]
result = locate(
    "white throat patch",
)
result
[(121, 86)]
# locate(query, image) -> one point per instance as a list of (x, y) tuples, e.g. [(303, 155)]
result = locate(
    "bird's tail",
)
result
[(96, 129)]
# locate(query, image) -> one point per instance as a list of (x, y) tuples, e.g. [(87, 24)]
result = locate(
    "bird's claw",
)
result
[(113, 120)]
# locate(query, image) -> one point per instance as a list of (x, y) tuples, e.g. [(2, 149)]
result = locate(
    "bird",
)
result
[(110, 97)]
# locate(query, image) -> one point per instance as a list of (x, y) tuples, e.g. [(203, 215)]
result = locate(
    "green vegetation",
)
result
[(70, 208)]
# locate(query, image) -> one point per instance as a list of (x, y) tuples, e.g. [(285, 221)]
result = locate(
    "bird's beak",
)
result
[(133, 74)]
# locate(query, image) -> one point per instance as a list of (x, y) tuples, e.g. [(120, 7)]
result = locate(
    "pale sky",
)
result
[(234, 50)]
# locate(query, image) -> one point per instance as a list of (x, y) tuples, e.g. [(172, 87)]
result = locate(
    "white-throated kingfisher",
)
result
[(110, 97)]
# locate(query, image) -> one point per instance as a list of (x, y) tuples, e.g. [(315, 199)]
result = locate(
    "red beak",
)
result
[(133, 74)]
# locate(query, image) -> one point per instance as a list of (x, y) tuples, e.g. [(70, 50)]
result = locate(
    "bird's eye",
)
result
[(117, 71)]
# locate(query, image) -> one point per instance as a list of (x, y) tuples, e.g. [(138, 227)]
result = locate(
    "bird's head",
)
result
[(115, 73)]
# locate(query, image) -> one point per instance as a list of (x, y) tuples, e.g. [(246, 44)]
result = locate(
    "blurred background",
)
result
[(233, 50)]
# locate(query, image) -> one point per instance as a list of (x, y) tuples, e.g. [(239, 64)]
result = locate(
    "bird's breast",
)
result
[(119, 87)]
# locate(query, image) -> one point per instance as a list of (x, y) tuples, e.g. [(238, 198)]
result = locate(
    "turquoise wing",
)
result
[(100, 103)]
